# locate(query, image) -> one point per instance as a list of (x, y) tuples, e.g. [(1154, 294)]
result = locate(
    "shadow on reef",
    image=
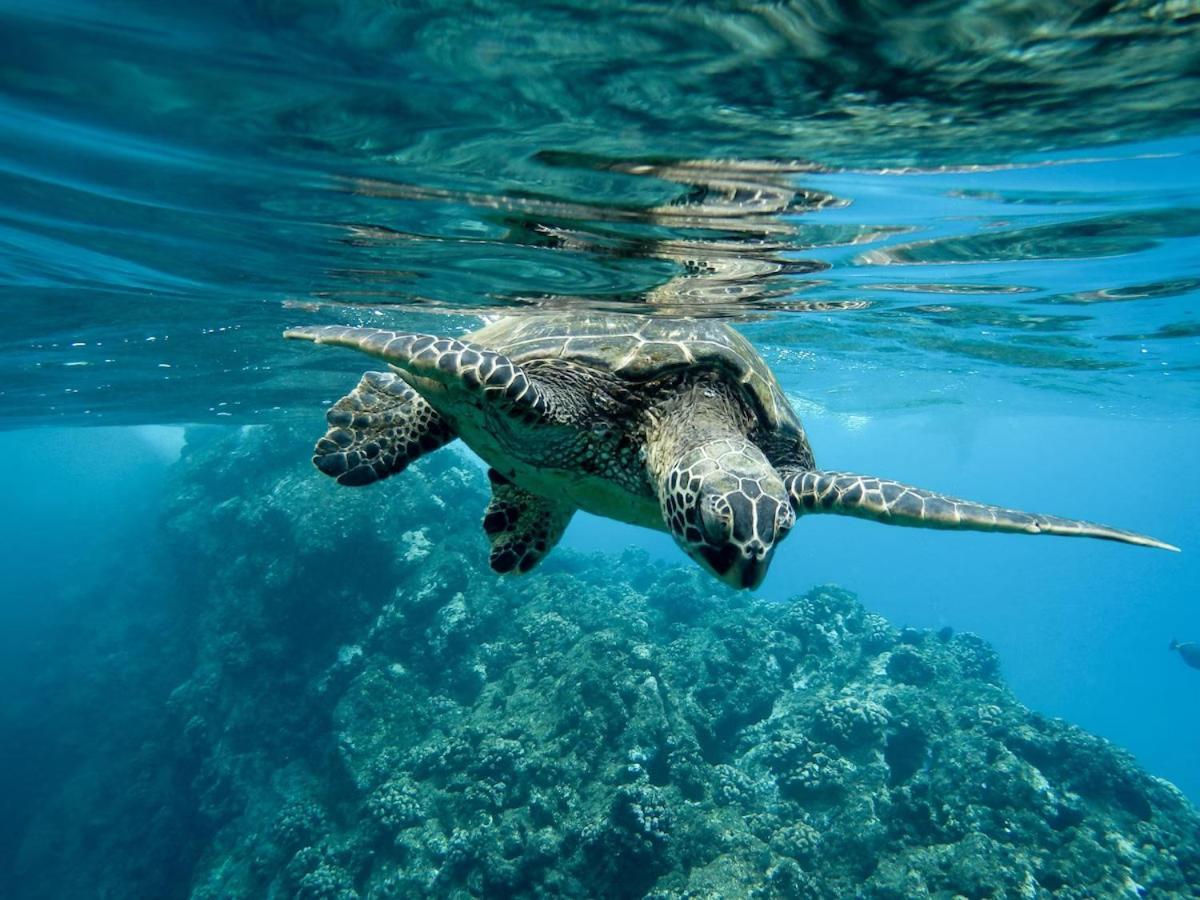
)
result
[(369, 712)]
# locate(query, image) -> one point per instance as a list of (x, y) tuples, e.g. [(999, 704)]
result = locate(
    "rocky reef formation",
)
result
[(369, 712)]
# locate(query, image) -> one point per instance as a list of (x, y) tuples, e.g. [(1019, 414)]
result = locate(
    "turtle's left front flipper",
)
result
[(522, 527), (892, 503), (442, 361)]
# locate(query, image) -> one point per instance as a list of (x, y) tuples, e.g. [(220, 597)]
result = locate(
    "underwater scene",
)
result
[(512, 449)]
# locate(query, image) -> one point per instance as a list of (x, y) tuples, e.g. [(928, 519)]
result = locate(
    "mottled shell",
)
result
[(640, 348)]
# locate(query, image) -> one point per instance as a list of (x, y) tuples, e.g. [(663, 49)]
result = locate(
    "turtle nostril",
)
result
[(756, 550)]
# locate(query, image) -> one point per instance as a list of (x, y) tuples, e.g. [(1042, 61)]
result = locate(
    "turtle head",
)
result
[(727, 508)]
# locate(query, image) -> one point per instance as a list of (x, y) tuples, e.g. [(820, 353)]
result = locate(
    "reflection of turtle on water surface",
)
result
[(671, 424), (1189, 650), (728, 234)]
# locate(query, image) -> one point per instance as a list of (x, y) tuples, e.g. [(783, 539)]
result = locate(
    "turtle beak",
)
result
[(753, 571), (738, 570)]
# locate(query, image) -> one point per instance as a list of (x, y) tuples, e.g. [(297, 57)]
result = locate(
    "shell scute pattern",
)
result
[(648, 349)]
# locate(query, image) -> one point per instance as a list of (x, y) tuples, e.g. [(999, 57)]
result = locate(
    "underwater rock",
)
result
[(397, 721)]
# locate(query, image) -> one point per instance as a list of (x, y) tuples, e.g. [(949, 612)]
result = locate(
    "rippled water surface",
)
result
[(1001, 192), (964, 236)]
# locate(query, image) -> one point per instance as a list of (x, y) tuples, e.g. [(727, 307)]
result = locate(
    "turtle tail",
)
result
[(1174, 645), (893, 503)]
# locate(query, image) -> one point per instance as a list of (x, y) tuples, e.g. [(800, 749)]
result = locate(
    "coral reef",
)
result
[(371, 713)]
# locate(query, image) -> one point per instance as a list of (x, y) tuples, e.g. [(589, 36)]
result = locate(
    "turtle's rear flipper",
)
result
[(377, 430), (893, 503), (522, 527)]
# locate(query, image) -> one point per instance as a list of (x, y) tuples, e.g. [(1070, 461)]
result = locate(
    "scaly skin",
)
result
[(376, 430), (894, 503), (451, 363)]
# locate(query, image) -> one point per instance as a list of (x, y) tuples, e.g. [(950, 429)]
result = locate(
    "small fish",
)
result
[(1189, 650)]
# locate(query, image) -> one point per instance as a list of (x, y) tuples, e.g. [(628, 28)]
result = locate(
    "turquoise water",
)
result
[(963, 237)]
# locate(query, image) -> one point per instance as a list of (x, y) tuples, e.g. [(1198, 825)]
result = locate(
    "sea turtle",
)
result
[(672, 424)]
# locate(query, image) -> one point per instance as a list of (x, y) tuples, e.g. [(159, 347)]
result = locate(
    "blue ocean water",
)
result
[(963, 237)]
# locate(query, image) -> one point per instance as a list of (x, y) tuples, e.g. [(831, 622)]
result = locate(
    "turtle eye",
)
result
[(716, 520), (784, 520)]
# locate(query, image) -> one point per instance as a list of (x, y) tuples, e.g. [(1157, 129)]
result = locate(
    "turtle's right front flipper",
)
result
[(377, 430), (893, 503), (445, 361)]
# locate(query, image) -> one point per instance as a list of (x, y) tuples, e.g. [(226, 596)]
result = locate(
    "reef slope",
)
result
[(372, 713)]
